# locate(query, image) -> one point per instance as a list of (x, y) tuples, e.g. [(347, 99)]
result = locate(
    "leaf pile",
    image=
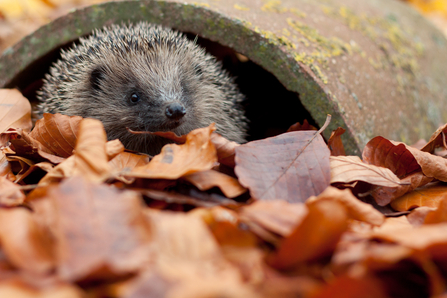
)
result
[(81, 216)]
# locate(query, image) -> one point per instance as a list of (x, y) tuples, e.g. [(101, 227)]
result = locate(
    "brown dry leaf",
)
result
[(298, 126), (205, 180), (437, 139), (25, 242), (15, 110), (403, 159), (101, 232), (90, 158), (335, 143), (315, 237), (384, 195), (177, 198), (10, 194), (279, 216), (346, 169), (114, 148), (420, 238), (439, 215), (429, 195), (418, 215), (350, 287), (292, 166), (5, 168), (24, 145), (58, 133), (356, 209), (126, 161), (175, 161), (225, 149), (16, 288), (186, 252), (394, 156)]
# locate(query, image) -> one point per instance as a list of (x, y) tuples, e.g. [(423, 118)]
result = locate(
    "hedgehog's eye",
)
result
[(134, 98)]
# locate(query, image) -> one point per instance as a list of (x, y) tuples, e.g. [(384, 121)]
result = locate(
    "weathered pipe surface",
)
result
[(377, 66)]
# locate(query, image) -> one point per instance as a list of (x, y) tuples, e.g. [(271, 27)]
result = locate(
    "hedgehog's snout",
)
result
[(175, 111)]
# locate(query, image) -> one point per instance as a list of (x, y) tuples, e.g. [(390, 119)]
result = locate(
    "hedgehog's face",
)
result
[(163, 91)]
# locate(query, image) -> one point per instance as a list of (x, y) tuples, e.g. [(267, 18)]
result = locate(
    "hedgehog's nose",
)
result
[(175, 111)]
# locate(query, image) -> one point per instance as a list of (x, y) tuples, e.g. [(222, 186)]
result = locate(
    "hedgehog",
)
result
[(144, 77)]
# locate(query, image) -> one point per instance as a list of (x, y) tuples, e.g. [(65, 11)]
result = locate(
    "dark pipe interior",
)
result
[(269, 106)]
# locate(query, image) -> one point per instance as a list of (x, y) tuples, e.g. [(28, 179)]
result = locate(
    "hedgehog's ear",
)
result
[(96, 76)]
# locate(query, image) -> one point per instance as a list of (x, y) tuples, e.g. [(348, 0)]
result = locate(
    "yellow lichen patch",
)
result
[(399, 47), (316, 70), (241, 7), (273, 6), (285, 32), (275, 39), (200, 4), (297, 12)]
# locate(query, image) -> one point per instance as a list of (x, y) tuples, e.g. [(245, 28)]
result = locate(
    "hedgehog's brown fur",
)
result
[(97, 77)]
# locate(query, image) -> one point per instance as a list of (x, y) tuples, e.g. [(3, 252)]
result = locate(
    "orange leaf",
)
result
[(58, 133), (100, 231), (26, 244), (10, 194), (174, 161), (15, 110), (335, 143), (429, 195), (315, 237), (279, 216), (205, 180), (90, 159), (292, 166), (225, 149), (356, 209)]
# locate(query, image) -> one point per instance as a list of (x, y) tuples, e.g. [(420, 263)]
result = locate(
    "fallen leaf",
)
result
[(58, 133), (10, 194), (5, 168), (27, 244), (292, 166), (298, 126), (356, 209), (225, 149), (114, 148), (335, 143), (384, 195), (350, 287), (418, 215), (429, 195), (15, 110), (186, 252), (437, 139), (175, 161), (314, 238), (395, 156), (25, 146), (90, 157), (279, 216), (346, 169), (19, 288), (100, 231), (439, 215), (126, 161), (403, 159), (177, 198), (205, 180), (419, 238)]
